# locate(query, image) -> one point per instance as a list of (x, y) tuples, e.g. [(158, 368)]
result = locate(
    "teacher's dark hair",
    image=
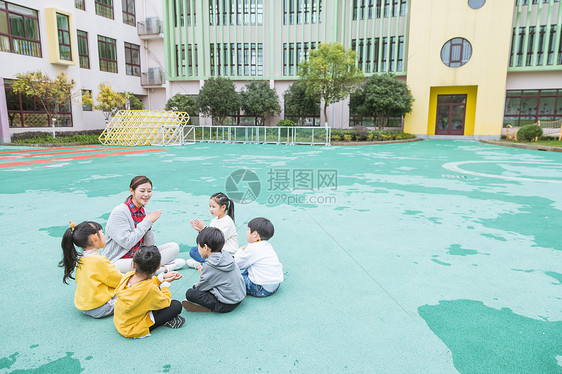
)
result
[(137, 181)]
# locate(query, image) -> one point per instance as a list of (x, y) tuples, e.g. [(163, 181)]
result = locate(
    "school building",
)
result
[(472, 65)]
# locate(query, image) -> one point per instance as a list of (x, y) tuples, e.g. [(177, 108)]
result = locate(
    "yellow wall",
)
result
[(488, 29), (53, 39)]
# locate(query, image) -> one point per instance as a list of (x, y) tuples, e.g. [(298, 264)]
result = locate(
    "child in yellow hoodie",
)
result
[(96, 277), (143, 300)]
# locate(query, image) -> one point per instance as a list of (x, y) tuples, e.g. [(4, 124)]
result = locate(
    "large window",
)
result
[(63, 31), (83, 54), (297, 12), (294, 54), (186, 65), (236, 12), (368, 9), (231, 59), (132, 59), (188, 14), (107, 54), (26, 111), (104, 8), (456, 52), (129, 12), (19, 30), (523, 107), (86, 107)]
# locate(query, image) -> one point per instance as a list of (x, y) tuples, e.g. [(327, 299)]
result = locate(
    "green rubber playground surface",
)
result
[(424, 257)]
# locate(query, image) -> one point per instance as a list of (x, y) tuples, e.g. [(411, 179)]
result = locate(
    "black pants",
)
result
[(164, 315), (208, 300)]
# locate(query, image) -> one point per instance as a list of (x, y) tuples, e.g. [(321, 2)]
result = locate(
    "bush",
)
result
[(347, 138), (286, 122), (529, 132), (361, 133)]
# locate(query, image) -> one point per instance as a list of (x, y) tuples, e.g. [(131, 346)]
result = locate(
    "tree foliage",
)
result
[(382, 96), (109, 101), (259, 101), (183, 103), (330, 73), (298, 103), (218, 98), (50, 93), (134, 102)]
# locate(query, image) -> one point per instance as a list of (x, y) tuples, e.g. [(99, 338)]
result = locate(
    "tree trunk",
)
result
[(326, 113)]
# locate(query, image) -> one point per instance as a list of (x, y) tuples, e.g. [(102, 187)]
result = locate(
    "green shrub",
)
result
[(529, 132), (360, 133), (286, 122), (347, 138), (336, 137)]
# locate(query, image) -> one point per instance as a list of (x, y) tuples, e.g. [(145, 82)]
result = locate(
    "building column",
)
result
[(4, 122)]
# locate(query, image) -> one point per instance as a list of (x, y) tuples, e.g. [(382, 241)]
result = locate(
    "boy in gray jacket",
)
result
[(221, 287)]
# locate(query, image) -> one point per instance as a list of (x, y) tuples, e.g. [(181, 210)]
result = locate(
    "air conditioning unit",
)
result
[(153, 25)]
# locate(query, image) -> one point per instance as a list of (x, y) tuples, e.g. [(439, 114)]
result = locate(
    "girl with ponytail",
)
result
[(222, 208), (96, 277)]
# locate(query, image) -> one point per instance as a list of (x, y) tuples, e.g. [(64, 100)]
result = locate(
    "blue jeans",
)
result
[(194, 253), (254, 289)]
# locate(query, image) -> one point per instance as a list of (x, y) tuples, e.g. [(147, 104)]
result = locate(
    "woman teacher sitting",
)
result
[(129, 227)]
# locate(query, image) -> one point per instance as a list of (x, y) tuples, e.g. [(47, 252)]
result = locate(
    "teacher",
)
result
[(129, 227)]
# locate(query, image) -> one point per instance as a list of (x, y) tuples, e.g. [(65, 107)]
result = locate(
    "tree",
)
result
[(299, 104), (51, 93), (109, 101), (259, 101), (382, 96), (218, 98), (330, 73), (183, 103), (134, 102)]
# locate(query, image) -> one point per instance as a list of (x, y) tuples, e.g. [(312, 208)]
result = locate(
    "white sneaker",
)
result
[(176, 264), (192, 263)]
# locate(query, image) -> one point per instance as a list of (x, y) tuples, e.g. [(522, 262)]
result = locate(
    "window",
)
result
[(83, 55), (191, 61), (236, 12), (86, 107), (367, 9), (456, 52), (26, 111), (294, 54), (244, 59), (107, 54), (104, 8), (540, 46), (129, 12), (551, 44), (132, 59), (80, 4), (519, 61), (63, 31), (19, 30), (400, 62), (301, 11), (529, 106), (530, 45), (476, 4)]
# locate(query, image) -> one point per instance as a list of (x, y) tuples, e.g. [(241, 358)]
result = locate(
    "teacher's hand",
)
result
[(153, 216)]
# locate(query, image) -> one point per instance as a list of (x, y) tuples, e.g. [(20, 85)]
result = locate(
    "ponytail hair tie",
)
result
[(72, 225)]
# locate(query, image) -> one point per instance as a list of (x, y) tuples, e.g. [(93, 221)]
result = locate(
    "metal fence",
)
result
[(257, 135)]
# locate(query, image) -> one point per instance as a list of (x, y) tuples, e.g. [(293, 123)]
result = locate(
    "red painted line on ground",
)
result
[(83, 157), (61, 153), (46, 149)]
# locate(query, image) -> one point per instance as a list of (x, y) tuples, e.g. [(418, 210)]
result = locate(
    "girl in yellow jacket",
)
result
[(96, 277), (144, 301)]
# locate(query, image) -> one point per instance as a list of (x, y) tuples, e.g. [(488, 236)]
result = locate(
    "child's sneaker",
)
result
[(192, 307), (192, 263), (176, 264), (176, 322)]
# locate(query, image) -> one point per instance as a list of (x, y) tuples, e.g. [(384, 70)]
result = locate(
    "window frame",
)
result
[(130, 48), (25, 43), (129, 18), (107, 41), (81, 56), (65, 33), (103, 6)]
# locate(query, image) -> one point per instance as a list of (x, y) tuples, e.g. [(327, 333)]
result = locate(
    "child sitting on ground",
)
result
[(96, 277), (141, 306), (221, 287), (262, 271), (222, 208)]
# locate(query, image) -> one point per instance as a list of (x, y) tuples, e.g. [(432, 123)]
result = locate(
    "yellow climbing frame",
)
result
[(145, 127)]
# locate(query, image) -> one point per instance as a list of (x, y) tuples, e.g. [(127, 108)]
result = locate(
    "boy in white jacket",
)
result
[(262, 271)]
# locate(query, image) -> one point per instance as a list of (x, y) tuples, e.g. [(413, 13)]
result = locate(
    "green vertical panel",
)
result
[(526, 40), (194, 56), (236, 39), (178, 32), (406, 33), (537, 34), (381, 24), (389, 36), (397, 36), (183, 32), (334, 36), (269, 62), (547, 34), (558, 33), (172, 32), (202, 30), (516, 35), (220, 40), (167, 37)]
